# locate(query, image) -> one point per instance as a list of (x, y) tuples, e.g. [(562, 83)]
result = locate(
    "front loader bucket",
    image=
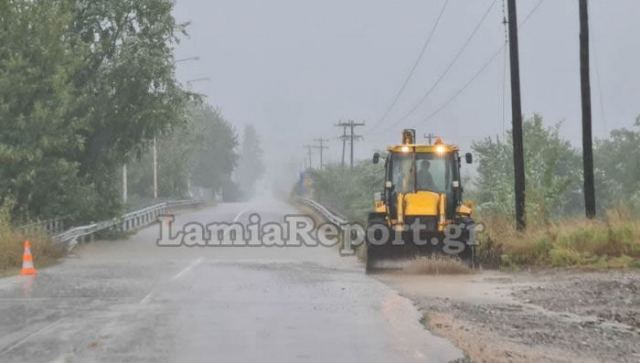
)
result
[(402, 248)]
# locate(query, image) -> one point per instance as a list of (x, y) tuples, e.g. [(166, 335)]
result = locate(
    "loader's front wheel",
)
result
[(376, 222)]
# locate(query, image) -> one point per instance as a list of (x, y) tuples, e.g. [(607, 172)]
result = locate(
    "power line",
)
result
[(533, 10), (415, 65), (449, 67), (504, 92), (481, 70), (503, 104), (598, 79), (458, 92)]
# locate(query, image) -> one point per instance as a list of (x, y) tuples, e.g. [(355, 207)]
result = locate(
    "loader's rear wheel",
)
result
[(470, 254)]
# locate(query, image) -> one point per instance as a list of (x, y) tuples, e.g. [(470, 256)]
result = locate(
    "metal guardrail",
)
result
[(129, 221), (329, 215), (49, 226)]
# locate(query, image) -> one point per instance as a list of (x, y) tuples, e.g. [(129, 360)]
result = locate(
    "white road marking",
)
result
[(29, 336), (146, 299), (183, 272), (237, 218), (187, 269)]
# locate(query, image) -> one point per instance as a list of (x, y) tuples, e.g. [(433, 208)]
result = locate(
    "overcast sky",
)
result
[(293, 68)]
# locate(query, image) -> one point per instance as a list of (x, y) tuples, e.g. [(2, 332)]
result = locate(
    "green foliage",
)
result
[(554, 198), (215, 143), (349, 191), (12, 242), (251, 165), (84, 85), (617, 168), (552, 169), (202, 150)]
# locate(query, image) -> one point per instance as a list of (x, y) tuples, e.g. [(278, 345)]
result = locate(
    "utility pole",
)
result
[(430, 137), (352, 125), (344, 138), (309, 153), (587, 137), (354, 137), (516, 110), (125, 193), (322, 147), (155, 168)]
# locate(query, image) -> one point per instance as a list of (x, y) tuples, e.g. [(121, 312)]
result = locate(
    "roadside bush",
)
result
[(610, 243), (12, 243), (347, 191)]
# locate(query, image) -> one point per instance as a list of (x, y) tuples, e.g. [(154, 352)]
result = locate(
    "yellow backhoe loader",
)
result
[(421, 211)]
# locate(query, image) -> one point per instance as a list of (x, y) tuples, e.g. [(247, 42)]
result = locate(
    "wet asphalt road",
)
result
[(132, 301)]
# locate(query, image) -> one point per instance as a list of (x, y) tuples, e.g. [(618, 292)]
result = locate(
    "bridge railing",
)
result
[(127, 222), (50, 226)]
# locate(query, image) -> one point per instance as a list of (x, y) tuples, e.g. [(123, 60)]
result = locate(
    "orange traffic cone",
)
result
[(27, 261)]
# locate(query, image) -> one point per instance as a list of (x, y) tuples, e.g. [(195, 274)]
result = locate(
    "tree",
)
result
[(251, 165), (349, 191), (215, 157), (617, 164), (127, 79), (84, 86), (201, 151), (36, 94), (552, 168)]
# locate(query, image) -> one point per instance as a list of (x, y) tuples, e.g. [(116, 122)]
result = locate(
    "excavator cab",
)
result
[(420, 211)]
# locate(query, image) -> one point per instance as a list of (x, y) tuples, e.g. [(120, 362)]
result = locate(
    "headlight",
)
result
[(405, 149), (441, 149)]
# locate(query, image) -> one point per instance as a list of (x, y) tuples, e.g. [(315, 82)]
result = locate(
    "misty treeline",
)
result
[(202, 152), (202, 159), (85, 86), (553, 172)]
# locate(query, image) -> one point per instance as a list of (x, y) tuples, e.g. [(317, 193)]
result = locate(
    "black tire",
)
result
[(368, 267), (471, 258), (371, 253)]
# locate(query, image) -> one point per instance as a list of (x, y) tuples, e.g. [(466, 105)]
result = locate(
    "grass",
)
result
[(611, 242), (12, 247)]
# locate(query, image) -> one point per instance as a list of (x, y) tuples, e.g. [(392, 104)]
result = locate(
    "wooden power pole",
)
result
[(309, 154), (321, 147), (516, 110), (587, 137), (430, 137), (352, 137), (344, 139)]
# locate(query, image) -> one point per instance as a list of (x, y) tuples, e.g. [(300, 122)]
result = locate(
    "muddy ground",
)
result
[(549, 316)]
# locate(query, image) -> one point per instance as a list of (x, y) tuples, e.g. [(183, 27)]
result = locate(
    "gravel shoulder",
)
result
[(546, 316)]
